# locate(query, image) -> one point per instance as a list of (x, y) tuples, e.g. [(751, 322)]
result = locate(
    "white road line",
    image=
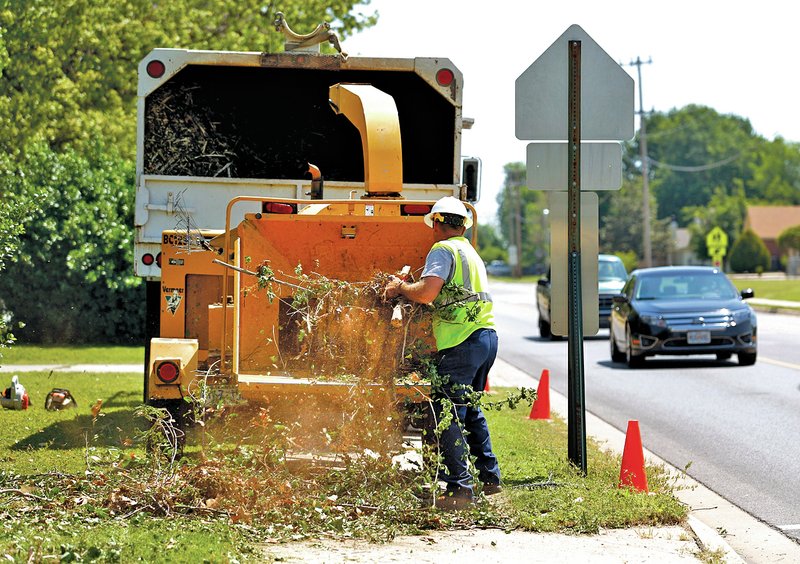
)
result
[(789, 527), (779, 363)]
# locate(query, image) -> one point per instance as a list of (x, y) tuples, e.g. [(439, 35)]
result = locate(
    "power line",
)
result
[(697, 168)]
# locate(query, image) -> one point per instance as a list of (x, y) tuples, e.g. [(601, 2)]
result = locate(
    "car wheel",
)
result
[(616, 354), (723, 356), (544, 329), (747, 359), (633, 360)]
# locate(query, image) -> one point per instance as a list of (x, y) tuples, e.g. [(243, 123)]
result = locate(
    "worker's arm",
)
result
[(423, 291)]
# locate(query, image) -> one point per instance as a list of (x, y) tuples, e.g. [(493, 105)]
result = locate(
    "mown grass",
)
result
[(46, 354), (74, 486), (771, 289), (547, 493)]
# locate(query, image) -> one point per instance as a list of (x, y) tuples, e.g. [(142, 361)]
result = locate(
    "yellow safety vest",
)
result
[(464, 304)]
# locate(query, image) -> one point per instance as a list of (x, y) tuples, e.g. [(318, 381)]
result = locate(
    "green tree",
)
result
[(749, 253), (693, 152), (621, 225), (68, 94), (72, 279), (11, 218), (775, 168), (790, 238), (490, 244), (69, 67)]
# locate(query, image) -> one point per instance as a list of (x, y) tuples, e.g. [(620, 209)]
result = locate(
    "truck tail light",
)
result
[(156, 69), (158, 260), (278, 207), (445, 77), (148, 259), (168, 371), (414, 209)]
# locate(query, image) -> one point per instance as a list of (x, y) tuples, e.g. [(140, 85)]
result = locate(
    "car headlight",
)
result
[(653, 320), (742, 315)]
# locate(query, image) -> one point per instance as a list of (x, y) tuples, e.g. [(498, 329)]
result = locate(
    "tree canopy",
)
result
[(69, 67), (68, 116)]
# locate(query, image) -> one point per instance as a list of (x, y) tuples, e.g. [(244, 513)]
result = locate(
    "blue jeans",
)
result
[(466, 364)]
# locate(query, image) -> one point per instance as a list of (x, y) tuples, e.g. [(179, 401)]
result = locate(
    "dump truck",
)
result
[(261, 177)]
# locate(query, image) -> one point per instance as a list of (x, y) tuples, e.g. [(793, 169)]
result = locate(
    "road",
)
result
[(736, 428)]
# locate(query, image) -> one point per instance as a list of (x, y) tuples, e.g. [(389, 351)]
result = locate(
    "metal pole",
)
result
[(576, 423)]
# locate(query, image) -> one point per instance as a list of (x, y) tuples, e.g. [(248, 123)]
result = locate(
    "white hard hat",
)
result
[(449, 205)]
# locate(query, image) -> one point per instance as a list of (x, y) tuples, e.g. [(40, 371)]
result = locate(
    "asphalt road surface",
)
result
[(735, 427)]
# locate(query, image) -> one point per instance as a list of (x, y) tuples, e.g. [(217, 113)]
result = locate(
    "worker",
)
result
[(454, 281)]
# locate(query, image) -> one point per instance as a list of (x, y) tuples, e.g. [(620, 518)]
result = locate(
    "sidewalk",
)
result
[(774, 306)]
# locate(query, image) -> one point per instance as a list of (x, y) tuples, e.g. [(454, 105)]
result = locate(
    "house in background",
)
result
[(768, 222), (682, 253)]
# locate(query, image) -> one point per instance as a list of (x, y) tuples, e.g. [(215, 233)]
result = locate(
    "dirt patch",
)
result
[(661, 544)]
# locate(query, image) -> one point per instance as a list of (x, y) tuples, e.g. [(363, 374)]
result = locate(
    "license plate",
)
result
[(698, 337)]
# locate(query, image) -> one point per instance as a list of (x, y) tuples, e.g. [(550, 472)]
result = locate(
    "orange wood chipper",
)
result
[(267, 283)]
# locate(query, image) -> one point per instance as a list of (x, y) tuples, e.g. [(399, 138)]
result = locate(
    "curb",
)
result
[(711, 541)]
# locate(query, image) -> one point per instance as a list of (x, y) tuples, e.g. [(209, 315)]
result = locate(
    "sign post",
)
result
[(576, 433), (550, 107), (717, 245)]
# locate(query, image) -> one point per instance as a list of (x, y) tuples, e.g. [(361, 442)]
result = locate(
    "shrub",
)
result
[(749, 253), (72, 279), (790, 238), (629, 259)]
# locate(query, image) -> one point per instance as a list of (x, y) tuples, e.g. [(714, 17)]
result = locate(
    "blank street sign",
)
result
[(601, 166), (606, 94), (559, 253)]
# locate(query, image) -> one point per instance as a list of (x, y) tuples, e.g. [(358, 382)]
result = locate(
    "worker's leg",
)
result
[(456, 367), (467, 366), (480, 444)]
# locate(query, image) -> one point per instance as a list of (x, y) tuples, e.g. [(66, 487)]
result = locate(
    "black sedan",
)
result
[(681, 310)]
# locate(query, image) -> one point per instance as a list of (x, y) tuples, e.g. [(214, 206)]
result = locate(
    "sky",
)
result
[(733, 56)]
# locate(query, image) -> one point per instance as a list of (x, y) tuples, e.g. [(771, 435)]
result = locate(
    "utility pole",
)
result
[(648, 248)]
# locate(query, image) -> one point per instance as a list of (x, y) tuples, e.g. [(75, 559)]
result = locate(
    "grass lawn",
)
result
[(771, 289), (43, 354), (74, 486)]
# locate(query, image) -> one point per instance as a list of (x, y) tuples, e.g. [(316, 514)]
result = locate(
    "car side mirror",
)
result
[(747, 293), (620, 299)]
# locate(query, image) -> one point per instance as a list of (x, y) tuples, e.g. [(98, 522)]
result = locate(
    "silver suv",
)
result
[(611, 277)]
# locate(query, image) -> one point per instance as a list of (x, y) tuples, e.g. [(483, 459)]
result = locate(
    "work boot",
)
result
[(455, 500), (491, 489)]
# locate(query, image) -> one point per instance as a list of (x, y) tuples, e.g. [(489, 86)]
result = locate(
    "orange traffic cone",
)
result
[(632, 473), (541, 407)]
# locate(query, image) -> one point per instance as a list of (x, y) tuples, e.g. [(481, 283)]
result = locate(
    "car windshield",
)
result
[(611, 270), (701, 285)]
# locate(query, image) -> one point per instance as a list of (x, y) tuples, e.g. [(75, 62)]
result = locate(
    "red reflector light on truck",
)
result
[(414, 209), (156, 69), (148, 259), (278, 207), (445, 77), (168, 371)]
